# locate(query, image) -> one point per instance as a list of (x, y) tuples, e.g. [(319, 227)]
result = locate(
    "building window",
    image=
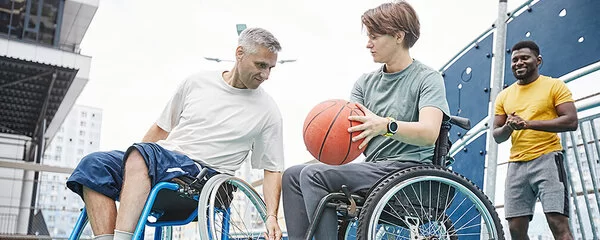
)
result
[(83, 114), (82, 123), (57, 158), (82, 133), (80, 151), (39, 26), (59, 138), (80, 141), (58, 149)]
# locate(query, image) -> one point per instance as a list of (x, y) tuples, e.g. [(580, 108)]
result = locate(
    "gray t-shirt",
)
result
[(400, 95)]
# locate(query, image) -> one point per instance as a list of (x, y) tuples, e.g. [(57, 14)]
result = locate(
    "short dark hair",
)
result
[(392, 18), (527, 44)]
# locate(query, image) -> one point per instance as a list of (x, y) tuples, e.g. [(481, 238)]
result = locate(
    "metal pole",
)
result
[(496, 87), (582, 181), (36, 177), (589, 157), (575, 204)]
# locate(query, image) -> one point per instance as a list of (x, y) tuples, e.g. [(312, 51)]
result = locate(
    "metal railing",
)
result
[(582, 151), (52, 217)]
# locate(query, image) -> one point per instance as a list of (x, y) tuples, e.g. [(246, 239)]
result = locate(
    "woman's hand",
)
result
[(372, 126)]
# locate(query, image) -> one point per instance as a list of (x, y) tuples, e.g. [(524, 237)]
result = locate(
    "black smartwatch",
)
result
[(392, 127)]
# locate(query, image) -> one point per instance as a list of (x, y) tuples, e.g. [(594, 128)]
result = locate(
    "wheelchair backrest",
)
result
[(443, 143)]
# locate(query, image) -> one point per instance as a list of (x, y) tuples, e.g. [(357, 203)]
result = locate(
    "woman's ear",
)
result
[(400, 37)]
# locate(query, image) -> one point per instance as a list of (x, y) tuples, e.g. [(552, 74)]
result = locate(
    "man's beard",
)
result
[(525, 76)]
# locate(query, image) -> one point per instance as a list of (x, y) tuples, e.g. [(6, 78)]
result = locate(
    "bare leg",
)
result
[(101, 211), (136, 186), (518, 227), (559, 224)]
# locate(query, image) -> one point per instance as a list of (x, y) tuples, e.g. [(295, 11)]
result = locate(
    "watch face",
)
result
[(393, 127)]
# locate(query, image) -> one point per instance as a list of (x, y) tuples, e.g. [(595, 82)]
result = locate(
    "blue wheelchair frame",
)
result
[(157, 213)]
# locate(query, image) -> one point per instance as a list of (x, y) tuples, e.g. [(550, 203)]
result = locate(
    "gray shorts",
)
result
[(544, 178)]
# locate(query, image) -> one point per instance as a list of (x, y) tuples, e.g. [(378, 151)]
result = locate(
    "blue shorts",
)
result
[(103, 171)]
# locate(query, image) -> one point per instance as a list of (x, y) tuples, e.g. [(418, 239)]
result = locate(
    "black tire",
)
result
[(398, 206)]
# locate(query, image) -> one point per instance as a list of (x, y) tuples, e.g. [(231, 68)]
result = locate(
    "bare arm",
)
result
[(501, 130), (421, 133), (566, 120), (154, 134), (272, 191)]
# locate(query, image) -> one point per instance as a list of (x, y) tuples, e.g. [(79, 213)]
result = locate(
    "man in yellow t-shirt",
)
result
[(531, 112)]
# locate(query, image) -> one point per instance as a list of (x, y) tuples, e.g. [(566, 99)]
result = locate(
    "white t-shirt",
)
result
[(218, 125)]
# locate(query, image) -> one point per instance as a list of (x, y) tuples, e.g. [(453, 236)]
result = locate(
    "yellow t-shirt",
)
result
[(534, 101)]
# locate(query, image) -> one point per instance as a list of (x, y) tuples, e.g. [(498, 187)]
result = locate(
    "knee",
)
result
[(309, 176), (291, 175), (518, 225), (135, 162), (559, 224)]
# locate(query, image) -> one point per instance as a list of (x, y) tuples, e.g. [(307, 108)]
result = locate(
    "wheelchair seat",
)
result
[(176, 206), (172, 206)]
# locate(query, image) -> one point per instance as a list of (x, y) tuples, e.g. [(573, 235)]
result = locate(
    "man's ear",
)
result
[(400, 37), (539, 60), (239, 53)]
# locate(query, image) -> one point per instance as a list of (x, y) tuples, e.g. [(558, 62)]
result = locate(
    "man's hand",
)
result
[(372, 126), (272, 191), (274, 232), (515, 122)]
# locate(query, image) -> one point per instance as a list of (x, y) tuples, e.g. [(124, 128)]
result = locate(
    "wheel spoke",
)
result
[(399, 207)]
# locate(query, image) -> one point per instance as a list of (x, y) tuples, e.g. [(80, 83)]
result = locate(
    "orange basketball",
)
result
[(326, 133)]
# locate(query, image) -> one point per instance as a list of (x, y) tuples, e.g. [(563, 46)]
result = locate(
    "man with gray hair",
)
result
[(215, 120)]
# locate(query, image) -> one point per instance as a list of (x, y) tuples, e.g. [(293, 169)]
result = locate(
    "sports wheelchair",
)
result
[(427, 201), (224, 206)]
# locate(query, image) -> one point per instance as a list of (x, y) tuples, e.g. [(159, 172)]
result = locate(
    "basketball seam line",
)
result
[(353, 110), (328, 130), (316, 115)]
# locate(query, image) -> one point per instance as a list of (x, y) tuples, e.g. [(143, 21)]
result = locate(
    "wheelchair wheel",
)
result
[(428, 202), (347, 230), (230, 209)]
